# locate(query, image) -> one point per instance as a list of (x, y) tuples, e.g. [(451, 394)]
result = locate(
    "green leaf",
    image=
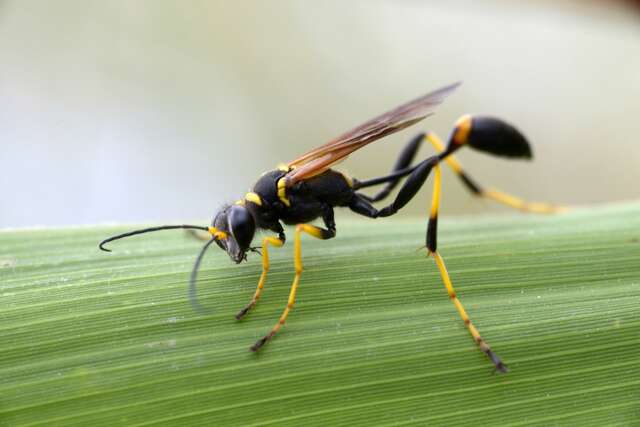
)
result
[(90, 338)]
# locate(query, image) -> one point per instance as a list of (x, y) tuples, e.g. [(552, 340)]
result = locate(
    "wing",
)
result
[(322, 158)]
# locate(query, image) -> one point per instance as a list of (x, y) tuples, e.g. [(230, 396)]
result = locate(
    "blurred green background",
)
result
[(142, 111)]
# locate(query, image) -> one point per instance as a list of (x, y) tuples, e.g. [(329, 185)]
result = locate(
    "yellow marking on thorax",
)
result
[(348, 179), (283, 168), (253, 198), (282, 192), (463, 129)]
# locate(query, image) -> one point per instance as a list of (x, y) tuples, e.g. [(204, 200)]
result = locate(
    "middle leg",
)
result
[(318, 233), (273, 241), (404, 161)]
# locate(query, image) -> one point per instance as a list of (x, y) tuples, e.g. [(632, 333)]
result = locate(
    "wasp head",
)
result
[(239, 227)]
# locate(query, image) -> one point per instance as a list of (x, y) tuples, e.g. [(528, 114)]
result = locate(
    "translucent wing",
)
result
[(322, 158)]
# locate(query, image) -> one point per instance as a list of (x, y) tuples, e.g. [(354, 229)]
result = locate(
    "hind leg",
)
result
[(444, 274), (361, 204), (402, 163), (489, 193)]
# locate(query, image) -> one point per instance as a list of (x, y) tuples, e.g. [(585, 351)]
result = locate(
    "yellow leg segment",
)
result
[(493, 194), (431, 245), (484, 347), (516, 203), (316, 232), (435, 197), (451, 160), (273, 241)]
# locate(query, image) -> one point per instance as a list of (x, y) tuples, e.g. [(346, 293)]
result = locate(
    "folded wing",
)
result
[(322, 158)]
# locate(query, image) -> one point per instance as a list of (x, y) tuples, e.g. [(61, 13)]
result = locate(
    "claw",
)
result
[(245, 310), (258, 345)]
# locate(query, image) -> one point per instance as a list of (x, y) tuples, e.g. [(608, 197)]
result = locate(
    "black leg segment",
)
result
[(329, 222), (432, 233), (404, 160), (410, 187), (361, 205)]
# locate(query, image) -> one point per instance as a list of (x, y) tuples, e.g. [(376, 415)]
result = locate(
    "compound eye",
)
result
[(241, 225), (220, 220)]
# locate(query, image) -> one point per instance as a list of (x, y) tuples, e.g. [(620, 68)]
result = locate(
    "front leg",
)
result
[(273, 241), (318, 233)]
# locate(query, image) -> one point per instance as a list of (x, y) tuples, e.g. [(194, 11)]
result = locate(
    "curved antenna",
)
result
[(148, 230), (193, 299)]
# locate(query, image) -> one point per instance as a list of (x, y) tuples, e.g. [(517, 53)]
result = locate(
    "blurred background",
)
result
[(160, 111)]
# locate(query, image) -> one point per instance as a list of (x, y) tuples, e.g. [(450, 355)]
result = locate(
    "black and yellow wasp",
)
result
[(307, 188)]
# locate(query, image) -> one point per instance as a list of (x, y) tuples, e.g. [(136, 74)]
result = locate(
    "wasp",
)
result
[(308, 188)]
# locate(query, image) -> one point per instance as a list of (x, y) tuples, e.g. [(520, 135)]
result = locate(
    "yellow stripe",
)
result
[(439, 146), (253, 198), (312, 230), (347, 178), (435, 200), (444, 274), (218, 234), (282, 192), (514, 202), (463, 129), (504, 198)]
